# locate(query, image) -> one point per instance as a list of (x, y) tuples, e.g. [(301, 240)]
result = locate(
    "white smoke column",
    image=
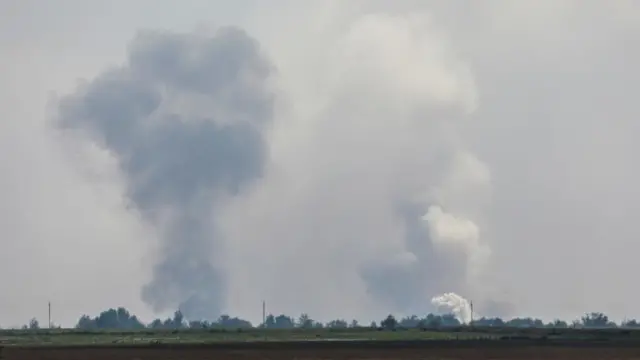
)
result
[(464, 194), (454, 304), (457, 207), (447, 228), (451, 232)]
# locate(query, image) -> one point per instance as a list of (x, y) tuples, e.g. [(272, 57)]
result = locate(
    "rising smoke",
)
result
[(382, 206), (185, 120), (378, 199), (337, 226), (444, 245), (455, 304), (445, 249)]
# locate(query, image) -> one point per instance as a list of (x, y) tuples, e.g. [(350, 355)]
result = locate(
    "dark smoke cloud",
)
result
[(185, 118)]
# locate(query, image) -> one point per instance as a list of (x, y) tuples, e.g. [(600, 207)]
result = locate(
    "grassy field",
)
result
[(364, 343), (75, 337), (141, 337)]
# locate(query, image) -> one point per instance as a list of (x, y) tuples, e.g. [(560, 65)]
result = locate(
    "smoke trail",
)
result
[(184, 117), (454, 304)]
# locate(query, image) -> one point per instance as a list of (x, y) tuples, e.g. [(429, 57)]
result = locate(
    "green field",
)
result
[(75, 337), (78, 337)]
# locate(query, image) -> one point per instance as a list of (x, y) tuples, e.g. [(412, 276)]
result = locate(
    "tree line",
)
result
[(121, 318)]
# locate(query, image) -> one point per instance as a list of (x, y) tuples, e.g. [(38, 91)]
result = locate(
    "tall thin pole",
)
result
[(264, 319), (264, 314), (49, 314), (471, 305)]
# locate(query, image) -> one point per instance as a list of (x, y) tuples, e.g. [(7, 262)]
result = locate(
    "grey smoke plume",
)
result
[(184, 118)]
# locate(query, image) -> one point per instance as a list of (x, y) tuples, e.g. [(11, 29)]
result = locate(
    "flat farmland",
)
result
[(338, 350), (312, 344)]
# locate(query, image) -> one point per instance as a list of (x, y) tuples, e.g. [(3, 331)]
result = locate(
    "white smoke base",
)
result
[(455, 304)]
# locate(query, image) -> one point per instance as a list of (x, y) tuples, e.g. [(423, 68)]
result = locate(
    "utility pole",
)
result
[(264, 313), (471, 305), (264, 319), (49, 314)]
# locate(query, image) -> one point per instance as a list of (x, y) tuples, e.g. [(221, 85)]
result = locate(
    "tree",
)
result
[(595, 320), (483, 321), (305, 322), (279, 322), (389, 322), (558, 324), (525, 322), (284, 322), (86, 323), (200, 324), (33, 324), (409, 321), (119, 318), (576, 324), (270, 322), (178, 320), (434, 322), (156, 324), (228, 322), (450, 320), (337, 324), (108, 320), (630, 323)]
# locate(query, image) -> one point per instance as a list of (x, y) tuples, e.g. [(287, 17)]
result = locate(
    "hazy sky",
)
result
[(510, 124)]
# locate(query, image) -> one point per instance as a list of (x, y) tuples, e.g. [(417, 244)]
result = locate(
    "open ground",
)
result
[(322, 344)]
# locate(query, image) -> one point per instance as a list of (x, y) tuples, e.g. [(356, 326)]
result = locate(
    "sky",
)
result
[(397, 150)]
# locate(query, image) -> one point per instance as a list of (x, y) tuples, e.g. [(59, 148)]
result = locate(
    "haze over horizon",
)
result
[(346, 159)]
